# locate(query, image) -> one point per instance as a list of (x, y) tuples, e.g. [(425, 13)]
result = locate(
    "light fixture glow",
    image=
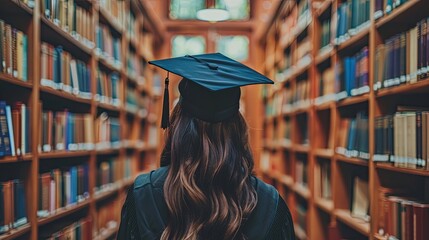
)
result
[(213, 15)]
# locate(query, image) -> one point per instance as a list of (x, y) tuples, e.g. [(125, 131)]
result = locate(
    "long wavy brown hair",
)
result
[(208, 188)]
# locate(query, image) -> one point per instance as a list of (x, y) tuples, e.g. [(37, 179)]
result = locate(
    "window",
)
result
[(185, 9), (182, 45), (235, 47), (238, 9)]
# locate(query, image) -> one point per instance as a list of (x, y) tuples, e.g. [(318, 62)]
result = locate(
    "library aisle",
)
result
[(343, 134)]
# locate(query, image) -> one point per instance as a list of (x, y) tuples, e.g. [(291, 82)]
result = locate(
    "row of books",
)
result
[(80, 230), (353, 136), (116, 8), (352, 75), (352, 15), (107, 132), (108, 173), (301, 93), (359, 207), (132, 26), (64, 130), (385, 7), (301, 215), (325, 39), (303, 48), (326, 86), (13, 51), (284, 68), (61, 188), (323, 180), (403, 58), (108, 88), (108, 45), (108, 216), (402, 139), (402, 216), (301, 175), (13, 208), (61, 71), (70, 17), (29, 3), (15, 134), (136, 67)]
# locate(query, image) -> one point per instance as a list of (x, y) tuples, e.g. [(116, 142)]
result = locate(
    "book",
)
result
[(80, 229), (353, 15), (63, 130), (353, 136), (13, 51), (360, 199), (107, 132), (108, 46), (61, 188)]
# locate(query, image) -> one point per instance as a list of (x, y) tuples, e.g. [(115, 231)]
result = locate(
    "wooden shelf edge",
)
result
[(107, 234), (302, 191), (111, 20), (299, 148), (63, 212), (324, 204), (404, 88), (16, 159), (299, 232), (389, 167), (353, 100), (107, 193), (65, 35), (360, 36), (324, 152), (15, 81), (352, 160), (323, 7), (15, 233), (386, 19), (64, 154), (357, 224), (64, 95)]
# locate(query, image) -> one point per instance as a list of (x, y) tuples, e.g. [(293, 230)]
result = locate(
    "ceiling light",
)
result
[(213, 15)]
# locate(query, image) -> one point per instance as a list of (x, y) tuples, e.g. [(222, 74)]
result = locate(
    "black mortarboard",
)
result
[(210, 88)]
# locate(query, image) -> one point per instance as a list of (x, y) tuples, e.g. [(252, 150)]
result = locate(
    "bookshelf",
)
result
[(317, 132), (103, 55)]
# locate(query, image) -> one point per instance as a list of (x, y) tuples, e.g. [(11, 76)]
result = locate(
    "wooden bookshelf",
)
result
[(141, 157), (331, 218)]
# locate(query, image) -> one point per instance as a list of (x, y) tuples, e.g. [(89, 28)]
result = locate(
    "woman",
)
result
[(205, 188)]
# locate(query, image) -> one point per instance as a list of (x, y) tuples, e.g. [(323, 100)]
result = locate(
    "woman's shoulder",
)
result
[(155, 178), (265, 190)]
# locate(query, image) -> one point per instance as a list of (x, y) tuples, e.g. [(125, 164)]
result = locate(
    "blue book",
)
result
[(351, 134), (10, 129), (19, 203), (24, 57), (73, 187), (347, 75), (352, 72)]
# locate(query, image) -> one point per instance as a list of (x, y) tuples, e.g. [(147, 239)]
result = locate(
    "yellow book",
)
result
[(19, 51)]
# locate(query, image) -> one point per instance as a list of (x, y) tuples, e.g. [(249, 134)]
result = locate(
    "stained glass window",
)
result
[(182, 45), (185, 9), (235, 47)]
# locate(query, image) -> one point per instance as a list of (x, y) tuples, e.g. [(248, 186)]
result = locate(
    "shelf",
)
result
[(60, 213), (108, 107), (63, 38), (16, 159), (99, 196), (410, 12), (63, 95), (326, 205), (287, 145), (284, 179), (108, 151), (127, 183), (109, 19), (324, 104), (6, 78), (302, 191), (421, 86), (64, 154), (355, 41), (299, 232), (17, 7), (355, 223), (323, 7), (15, 233), (352, 160), (353, 100), (324, 153), (107, 64), (388, 167), (299, 148), (107, 234), (324, 54)]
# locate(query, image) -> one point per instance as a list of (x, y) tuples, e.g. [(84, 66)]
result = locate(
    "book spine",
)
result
[(419, 154), (2, 46)]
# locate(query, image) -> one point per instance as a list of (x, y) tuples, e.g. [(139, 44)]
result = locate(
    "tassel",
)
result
[(166, 106)]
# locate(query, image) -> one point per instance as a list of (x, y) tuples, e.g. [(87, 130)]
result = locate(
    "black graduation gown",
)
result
[(144, 213)]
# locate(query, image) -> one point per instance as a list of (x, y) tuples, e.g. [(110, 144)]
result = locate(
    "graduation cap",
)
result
[(210, 88)]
